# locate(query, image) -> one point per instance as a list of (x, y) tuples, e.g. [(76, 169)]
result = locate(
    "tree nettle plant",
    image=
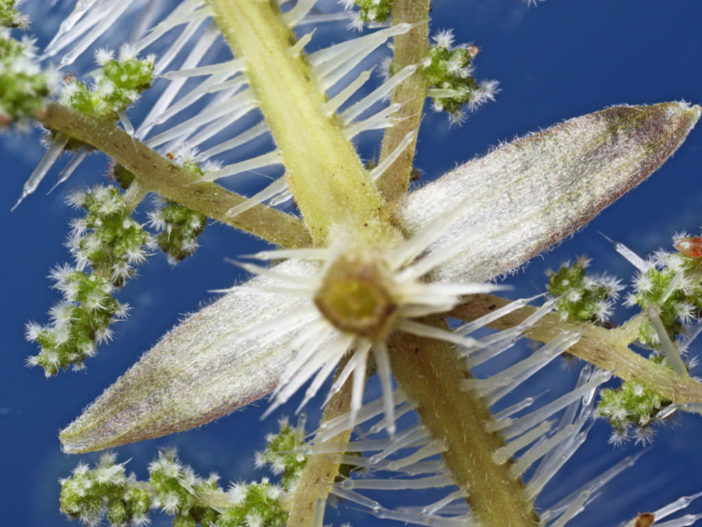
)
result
[(366, 280)]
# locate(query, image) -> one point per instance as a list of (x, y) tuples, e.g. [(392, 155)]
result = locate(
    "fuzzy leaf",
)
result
[(527, 195), (199, 371), (519, 200)]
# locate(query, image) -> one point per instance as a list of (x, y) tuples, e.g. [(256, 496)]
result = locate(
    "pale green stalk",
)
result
[(158, 174), (605, 348)]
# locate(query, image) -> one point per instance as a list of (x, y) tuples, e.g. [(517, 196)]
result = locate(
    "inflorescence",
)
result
[(670, 284), (583, 297), (117, 85), (632, 406), (10, 16), (109, 243), (23, 85), (376, 11), (178, 226), (175, 489), (448, 70)]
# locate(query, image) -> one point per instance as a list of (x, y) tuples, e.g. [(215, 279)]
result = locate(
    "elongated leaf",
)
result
[(200, 370), (519, 200), (526, 195)]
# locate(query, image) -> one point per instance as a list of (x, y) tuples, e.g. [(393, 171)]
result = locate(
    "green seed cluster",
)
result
[(673, 283), (448, 71), (582, 297), (178, 226), (10, 16), (23, 85), (374, 10), (174, 488), (110, 242), (117, 85), (104, 490), (631, 405)]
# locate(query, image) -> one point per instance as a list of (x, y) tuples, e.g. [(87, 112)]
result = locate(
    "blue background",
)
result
[(562, 59)]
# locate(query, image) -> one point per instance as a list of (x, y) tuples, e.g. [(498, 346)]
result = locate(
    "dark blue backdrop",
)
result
[(562, 59)]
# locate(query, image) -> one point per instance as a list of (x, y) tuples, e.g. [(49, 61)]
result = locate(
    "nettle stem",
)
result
[(324, 173), (606, 348), (320, 470), (155, 173), (331, 187), (410, 49), (432, 375)]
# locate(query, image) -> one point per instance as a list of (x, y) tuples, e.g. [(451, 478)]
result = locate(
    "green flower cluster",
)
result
[(175, 489), (179, 226), (105, 489), (178, 491), (632, 405), (117, 85), (449, 74), (107, 238), (110, 242), (281, 454), (373, 10), (10, 16), (672, 283), (582, 297), (23, 85)]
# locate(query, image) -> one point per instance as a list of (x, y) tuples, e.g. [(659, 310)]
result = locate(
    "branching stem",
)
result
[(324, 173), (606, 348), (410, 49), (158, 174), (320, 471)]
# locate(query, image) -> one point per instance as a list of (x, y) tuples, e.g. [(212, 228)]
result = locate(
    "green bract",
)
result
[(23, 85)]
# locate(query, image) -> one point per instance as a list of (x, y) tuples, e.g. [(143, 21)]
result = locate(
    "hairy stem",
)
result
[(410, 49), (157, 174), (324, 173), (432, 374), (320, 470), (606, 348)]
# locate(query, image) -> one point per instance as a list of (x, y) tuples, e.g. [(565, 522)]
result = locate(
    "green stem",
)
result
[(432, 375), (410, 49), (605, 348), (320, 470), (324, 173), (158, 174)]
